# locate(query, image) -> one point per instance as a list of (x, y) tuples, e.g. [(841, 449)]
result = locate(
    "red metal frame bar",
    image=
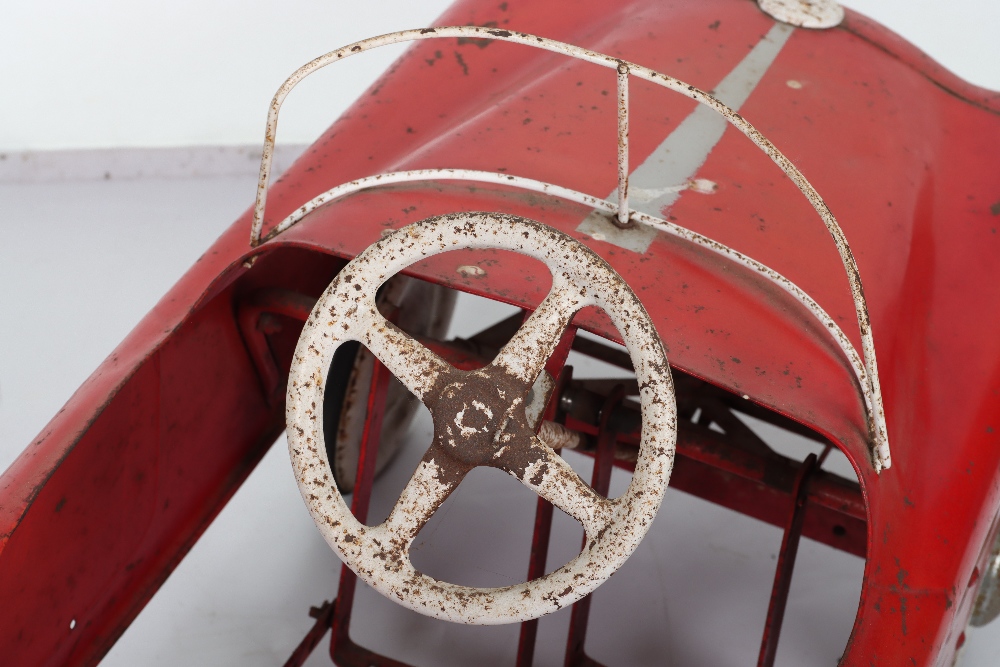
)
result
[(536, 567), (710, 467), (324, 619), (336, 616), (255, 316), (556, 367), (604, 459), (343, 651), (786, 564)]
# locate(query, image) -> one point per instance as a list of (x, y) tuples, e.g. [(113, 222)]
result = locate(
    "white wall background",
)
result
[(120, 73)]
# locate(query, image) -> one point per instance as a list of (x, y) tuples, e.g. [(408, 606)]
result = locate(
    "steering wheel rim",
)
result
[(479, 419)]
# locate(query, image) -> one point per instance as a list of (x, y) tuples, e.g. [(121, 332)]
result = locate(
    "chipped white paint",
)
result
[(471, 271), (817, 14), (553, 479), (703, 186), (793, 84), (472, 430), (645, 195), (379, 554), (871, 389), (538, 397)]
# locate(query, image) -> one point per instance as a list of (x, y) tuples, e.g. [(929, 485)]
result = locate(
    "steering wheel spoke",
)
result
[(419, 369), (431, 484), (524, 356), (551, 477)]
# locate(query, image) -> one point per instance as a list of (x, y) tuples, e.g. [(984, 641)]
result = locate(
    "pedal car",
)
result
[(793, 189)]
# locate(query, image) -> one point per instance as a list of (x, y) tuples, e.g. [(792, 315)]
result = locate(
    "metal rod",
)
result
[(543, 522), (324, 618), (604, 460), (623, 212), (826, 452), (688, 385), (367, 456), (786, 564), (251, 314), (536, 568)]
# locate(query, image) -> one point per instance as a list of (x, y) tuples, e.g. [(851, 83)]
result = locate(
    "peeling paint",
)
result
[(480, 418)]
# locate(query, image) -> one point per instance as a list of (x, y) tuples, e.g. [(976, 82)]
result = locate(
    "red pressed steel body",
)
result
[(102, 505)]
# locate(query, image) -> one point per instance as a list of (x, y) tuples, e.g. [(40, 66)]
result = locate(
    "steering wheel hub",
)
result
[(472, 415)]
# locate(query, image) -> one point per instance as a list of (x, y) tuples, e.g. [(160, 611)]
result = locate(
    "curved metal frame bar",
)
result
[(867, 375)]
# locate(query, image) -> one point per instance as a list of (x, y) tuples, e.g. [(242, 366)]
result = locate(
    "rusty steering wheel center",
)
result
[(479, 417)]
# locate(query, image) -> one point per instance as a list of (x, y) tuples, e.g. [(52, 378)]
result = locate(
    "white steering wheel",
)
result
[(479, 419)]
